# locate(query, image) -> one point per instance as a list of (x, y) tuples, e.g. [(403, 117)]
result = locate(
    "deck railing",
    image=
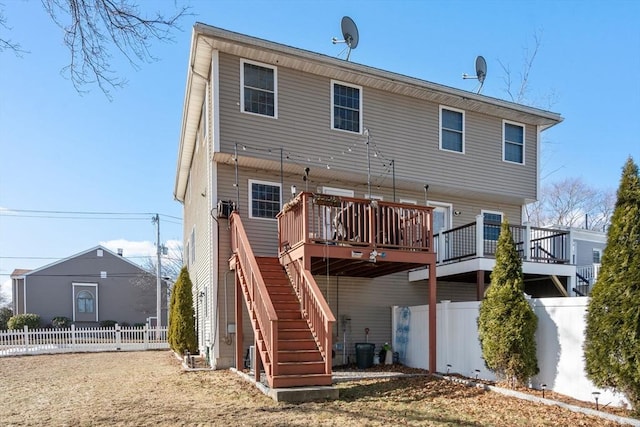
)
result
[(257, 298), (480, 238), (318, 218), (314, 308)]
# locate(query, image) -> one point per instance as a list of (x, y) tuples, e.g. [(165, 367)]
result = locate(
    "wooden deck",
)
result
[(355, 237)]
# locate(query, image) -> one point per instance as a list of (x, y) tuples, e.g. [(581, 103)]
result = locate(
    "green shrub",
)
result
[(612, 335), (5, 314), (61, 322), (182, 329), (21, 320), (108, 323), (125, 324), (139, 325), (506, 323)]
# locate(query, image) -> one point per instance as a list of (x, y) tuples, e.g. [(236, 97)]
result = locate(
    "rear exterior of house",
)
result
[(90, 287), (383, 166)]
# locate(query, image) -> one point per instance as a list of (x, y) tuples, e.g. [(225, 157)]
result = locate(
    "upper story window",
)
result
[(451, 129), (258, 84), (597, 255), (346, 102), (513, 142), (264, 199)]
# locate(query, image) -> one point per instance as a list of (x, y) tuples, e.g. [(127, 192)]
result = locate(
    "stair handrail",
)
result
[(260, 301), (314, 307)]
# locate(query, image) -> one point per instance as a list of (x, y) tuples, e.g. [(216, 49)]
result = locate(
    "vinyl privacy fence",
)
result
[(47, 341), (559, 341)]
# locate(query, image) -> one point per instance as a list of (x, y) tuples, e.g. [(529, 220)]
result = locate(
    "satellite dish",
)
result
[(349, 34), (481, 69), (481, 72)]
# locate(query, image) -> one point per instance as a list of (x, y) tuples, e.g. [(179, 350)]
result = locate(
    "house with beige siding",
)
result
[(88, 288), (318, 193)]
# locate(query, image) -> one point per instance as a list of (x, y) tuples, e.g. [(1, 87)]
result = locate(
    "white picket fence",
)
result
[(72, 340), (559, 341)]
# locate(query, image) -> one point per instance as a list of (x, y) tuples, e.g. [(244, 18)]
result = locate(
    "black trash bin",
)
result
[(364, 355)]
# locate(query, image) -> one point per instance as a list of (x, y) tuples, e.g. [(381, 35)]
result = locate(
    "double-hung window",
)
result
[(492, 224), (346, 104), (264, 199), (258, 84), (513, 142), (451, 129)]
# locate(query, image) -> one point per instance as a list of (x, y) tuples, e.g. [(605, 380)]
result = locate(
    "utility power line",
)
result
[(12, 212)]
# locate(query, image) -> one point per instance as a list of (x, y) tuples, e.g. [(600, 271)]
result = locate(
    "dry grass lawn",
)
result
[(149, 388)]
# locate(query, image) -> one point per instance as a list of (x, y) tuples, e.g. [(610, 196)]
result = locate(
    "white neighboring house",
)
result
[(587, 247)]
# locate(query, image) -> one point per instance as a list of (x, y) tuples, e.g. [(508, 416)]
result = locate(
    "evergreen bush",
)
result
[(5, 314), (19, 321), (182, 330), (507, 323), (108, 323), (61, 322), (612, 336)]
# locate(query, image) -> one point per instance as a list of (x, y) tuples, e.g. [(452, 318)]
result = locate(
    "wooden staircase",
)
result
[(291, 320), (300, 362)]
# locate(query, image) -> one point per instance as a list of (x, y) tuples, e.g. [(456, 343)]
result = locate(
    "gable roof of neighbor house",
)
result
[(18, 273), (95, 248), (206, 38)]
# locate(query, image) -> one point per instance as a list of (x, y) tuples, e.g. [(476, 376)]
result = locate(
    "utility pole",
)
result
[(156, 221)]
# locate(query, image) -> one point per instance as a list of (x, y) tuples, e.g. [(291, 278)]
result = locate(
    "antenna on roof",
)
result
[(481, 72), (349, 34)]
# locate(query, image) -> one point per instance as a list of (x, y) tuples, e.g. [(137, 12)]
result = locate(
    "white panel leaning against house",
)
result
[(559, 340)]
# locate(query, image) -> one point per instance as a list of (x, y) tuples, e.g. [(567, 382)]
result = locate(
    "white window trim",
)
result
[(373, 197), (449, 206), (484, 211), (250, 197), (444, 107), (73, 297), (334, 191), (275, 88), (361, 130), (524, 141), (409, 201)]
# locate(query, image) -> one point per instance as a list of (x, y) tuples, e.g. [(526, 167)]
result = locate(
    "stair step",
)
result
[(294, 334), (287, 324), (284, 381), (289, 314), (297, 344), (286, 305), (299, 356), (300, 368), (283, 297)]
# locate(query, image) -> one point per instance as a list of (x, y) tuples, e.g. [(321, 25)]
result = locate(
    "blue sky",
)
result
[(63, 151)]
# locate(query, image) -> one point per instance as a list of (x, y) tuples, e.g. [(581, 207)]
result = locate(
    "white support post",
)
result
[(443, 251), (445, 332), (146, 336), (480, 236), (118, 337), (527, 241), (26, 339)]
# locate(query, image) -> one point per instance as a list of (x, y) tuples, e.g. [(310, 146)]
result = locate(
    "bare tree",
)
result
[(93, 29), (573, 203), (8, 44), (517, 87)]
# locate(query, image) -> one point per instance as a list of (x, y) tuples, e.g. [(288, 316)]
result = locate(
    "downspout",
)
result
[(24, 294)]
